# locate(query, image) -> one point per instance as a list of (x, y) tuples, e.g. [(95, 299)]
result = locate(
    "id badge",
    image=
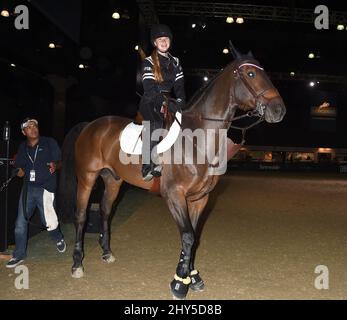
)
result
[(32, 175)]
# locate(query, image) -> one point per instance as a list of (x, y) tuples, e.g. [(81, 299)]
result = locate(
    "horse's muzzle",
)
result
[(275, 110)]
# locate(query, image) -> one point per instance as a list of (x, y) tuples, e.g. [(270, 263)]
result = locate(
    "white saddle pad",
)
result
[(131, 142)]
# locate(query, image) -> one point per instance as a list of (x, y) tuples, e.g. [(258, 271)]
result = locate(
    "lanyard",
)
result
[(31, 159)]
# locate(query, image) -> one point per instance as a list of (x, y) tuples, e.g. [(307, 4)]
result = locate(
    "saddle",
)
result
[(169, 118)]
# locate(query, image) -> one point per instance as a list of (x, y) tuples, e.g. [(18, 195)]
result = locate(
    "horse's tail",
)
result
[(66, 195)]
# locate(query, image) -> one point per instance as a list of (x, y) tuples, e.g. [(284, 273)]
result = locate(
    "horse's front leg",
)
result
[(178, 207), (195, 209)]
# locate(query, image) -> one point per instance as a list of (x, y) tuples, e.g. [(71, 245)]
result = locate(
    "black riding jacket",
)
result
[(172, 73)]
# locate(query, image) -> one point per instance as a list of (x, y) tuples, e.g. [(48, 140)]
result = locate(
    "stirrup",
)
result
[(157, 168), (155, 172), (148, 177)]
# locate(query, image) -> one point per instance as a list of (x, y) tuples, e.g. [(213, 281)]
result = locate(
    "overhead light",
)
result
[(193, 25), (116, 15), (136, 47), (324, 150), (340, 27), (13, 65), (5, 13), (240, 20), (312, 84), (292, 74), (51, 45), (81, 66), (311, 55), (229, 20), (206, 78), (225, 50)]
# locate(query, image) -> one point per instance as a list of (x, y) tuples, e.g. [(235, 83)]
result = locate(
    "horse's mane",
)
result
[(205, 88)]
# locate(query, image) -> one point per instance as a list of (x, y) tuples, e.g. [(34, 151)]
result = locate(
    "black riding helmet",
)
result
[(160, 30)]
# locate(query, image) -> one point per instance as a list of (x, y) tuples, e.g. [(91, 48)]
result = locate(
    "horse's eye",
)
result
[(251, 74)]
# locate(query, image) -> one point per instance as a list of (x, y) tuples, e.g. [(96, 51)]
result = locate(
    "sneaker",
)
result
[(14, 262), (61, 246)]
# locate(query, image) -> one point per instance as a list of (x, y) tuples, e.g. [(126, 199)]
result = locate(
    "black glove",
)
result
[(175, 105), (180, 104)]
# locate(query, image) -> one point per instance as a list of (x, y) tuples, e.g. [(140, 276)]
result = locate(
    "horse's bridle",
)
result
[(259, 111)]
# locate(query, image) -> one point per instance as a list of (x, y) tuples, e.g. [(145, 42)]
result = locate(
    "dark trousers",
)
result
[(151, 112), (43, 200)]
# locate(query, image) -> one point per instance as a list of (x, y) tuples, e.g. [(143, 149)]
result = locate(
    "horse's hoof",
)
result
[(198, 287), (77, 272), (109, 258), (197, 283), (179, 289)]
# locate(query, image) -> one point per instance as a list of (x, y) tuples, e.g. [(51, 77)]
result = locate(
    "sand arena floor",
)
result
[(264, 237)]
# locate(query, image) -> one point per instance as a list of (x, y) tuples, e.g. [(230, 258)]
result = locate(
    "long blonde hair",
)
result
[(156, 67), (141, 53)]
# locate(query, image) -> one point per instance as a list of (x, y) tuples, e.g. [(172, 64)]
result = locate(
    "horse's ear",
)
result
[(233, 50), (250, 54)]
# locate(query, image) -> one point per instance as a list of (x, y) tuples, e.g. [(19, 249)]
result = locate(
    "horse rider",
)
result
[(161, 74)]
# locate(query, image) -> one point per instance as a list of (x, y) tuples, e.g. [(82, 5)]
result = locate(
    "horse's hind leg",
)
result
[(112, 187), (195, 209), (84, 188)]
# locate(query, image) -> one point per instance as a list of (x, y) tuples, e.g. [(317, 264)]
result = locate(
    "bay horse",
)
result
[(92, 150)]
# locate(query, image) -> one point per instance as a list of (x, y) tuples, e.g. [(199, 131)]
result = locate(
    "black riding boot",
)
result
[(150, 113), (151, 170)]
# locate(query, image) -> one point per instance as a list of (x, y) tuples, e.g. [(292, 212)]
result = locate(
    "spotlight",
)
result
[(81, 66), (116, 15), (292, 74), (203, 25), (240, 20), (229, 20), (51, 45), (193, 25), (136, 47), (5, 13), (225, 50), (205, 78), (312, 84), (13, 65), (311, 55), (340, 27)]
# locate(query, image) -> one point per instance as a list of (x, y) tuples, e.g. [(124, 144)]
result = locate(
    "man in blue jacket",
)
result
[(37, 160)]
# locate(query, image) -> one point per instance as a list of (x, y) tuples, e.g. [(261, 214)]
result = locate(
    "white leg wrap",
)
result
[(194, 272), (184, 281)]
